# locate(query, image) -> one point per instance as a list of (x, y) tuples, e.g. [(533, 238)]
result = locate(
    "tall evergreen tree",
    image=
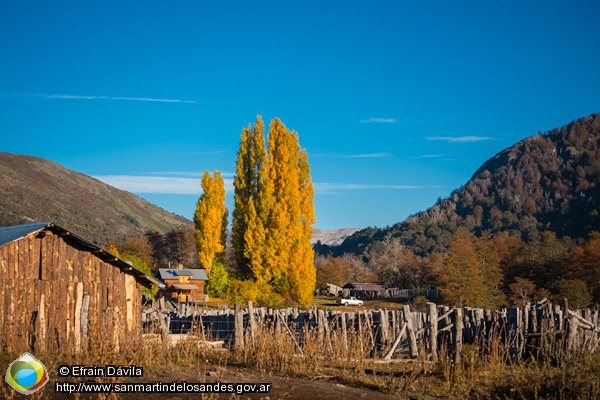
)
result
[(211, 214)]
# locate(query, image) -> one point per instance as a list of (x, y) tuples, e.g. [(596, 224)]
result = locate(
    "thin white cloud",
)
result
[(369, 155), (70, 96), (193, 174), (179, 185), (428, 156), (378, 120), (152, 99), (460, 139), (80, 97), (158, 184), (324, 187), (365, 155)]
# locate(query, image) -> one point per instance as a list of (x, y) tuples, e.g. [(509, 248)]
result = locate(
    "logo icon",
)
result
[(26, 374)]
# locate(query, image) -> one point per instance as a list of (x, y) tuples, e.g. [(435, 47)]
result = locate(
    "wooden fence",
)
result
[(542, 326), (389, 293), (393, 293)]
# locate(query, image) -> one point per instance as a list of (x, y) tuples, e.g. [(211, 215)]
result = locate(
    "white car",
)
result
[(352, 301)]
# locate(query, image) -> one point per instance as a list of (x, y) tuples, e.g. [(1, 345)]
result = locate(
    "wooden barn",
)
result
[(58, 289), (183, 284)]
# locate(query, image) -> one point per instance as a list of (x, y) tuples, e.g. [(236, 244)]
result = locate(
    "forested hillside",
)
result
[(35, 189), (525, 227), (547, 182)]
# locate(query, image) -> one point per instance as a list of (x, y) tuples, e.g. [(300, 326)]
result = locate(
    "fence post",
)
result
[(571, 327), (251, 322), (238, 327), (513, 317), (432, 316), (412, 339), (383, 328), (344, 330), (458, 334), (320, 328)]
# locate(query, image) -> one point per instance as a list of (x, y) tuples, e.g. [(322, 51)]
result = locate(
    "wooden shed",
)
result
[(57, 288)]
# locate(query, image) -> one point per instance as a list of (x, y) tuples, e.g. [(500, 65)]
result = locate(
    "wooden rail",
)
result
[(521, 331)]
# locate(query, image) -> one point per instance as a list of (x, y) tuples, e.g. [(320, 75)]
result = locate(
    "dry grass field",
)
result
[(339, 371)]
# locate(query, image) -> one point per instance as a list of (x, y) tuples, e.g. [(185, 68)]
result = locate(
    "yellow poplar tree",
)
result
[(211, 214), (284, 177), (274, 211), (251, 187), (289, 226), (302, 273), (254, 241)]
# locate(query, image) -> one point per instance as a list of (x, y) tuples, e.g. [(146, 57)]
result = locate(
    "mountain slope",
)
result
[(35, 189), (333, 237), (546, 182)]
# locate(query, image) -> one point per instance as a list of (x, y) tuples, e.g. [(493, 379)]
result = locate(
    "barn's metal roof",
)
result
[(10, 234), (183, 272)]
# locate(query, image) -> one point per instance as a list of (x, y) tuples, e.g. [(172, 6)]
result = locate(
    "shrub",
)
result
[(218, 280), (261, 294)]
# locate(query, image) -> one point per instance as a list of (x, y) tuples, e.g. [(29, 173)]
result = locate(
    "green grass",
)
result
[(324, 302)]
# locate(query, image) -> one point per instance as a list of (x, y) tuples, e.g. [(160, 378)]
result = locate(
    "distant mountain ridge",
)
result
[(546, 182), (36, 189), (332, 237)]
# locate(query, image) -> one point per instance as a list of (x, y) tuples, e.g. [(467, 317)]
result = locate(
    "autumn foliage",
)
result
[(252, 193), (471, 273), (500, 240), (503, 270), (547, 182), (274, 212), (488, 271), (210, 220)]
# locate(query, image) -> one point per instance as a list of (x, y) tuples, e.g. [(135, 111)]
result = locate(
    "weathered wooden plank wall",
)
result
[(44, 281)]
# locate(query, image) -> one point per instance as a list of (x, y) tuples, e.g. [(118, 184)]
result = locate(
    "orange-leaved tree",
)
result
[(584, 264), (471, 274)]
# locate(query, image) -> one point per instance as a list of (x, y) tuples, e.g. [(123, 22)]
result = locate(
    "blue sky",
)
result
[(396, 102)]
